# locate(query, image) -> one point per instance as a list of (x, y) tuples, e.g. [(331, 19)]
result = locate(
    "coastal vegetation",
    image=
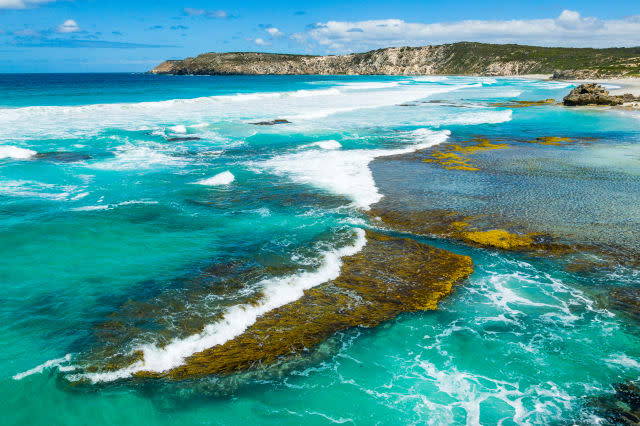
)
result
[(464, 58)]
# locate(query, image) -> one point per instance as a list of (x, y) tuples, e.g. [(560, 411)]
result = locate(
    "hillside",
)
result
[(452, 59)]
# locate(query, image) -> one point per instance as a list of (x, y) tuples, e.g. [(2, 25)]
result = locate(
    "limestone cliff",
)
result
[(452, 59)]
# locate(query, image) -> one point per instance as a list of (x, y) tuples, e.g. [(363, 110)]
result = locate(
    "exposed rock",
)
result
[(183, 138), (574, 74), (272, 122), (594, 94), (62, 156)]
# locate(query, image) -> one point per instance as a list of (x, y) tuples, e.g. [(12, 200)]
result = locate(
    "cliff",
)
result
[(452, 59)]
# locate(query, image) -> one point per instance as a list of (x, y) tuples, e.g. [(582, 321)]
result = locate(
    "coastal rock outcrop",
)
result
[(594, 94), (573, 74)]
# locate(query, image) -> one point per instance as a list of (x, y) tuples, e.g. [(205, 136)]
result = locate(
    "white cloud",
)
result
[(274, 32), (568, 29), (68, 26), (221, 14), (217, 14), (193, 12), (21, 4), (27, 32), (260, 42)]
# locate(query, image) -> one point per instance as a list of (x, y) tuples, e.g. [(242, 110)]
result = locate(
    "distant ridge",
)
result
[(463, 58)]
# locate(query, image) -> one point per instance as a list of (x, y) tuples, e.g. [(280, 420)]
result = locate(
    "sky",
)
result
[(136, 35)]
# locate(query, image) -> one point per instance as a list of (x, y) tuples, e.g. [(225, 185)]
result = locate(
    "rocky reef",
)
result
[(622, 407), (389, 276), (458, 156), (272, 122), (472, 230), (453, 59), (595, 94)]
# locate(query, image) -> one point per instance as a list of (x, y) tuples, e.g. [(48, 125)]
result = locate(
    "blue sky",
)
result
[(116, 35)]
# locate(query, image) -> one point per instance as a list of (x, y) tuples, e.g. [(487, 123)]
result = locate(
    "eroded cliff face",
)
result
[(452, 59)]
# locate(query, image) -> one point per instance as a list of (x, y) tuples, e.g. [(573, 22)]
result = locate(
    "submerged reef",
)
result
[(453, 156), (472, 230), (622, 407), (389, 276), (626, 299), (523, 104), (457, 156)]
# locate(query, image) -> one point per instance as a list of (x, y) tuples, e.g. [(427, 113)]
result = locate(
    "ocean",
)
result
[(145, 219)]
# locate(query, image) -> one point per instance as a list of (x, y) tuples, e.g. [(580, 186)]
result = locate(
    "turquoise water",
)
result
[(107, 198)]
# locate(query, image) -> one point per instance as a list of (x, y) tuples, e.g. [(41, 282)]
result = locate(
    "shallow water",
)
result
[(130, 210)]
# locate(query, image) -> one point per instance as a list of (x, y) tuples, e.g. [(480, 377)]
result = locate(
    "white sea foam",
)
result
[(135, 157), (311, 93), (477, 117), (39, 122), (53, 363), (78, 121), (79, 196), (507, 94), (8, 151), (430, 78), (465, 389), (28, 188), (488, 81), (111, 206), (622, 360), (345, 172), (328, 144), (91, 208), (224, 178), (369, 85), (552, 84), (376, 99), (276, 292), (180, 128)]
